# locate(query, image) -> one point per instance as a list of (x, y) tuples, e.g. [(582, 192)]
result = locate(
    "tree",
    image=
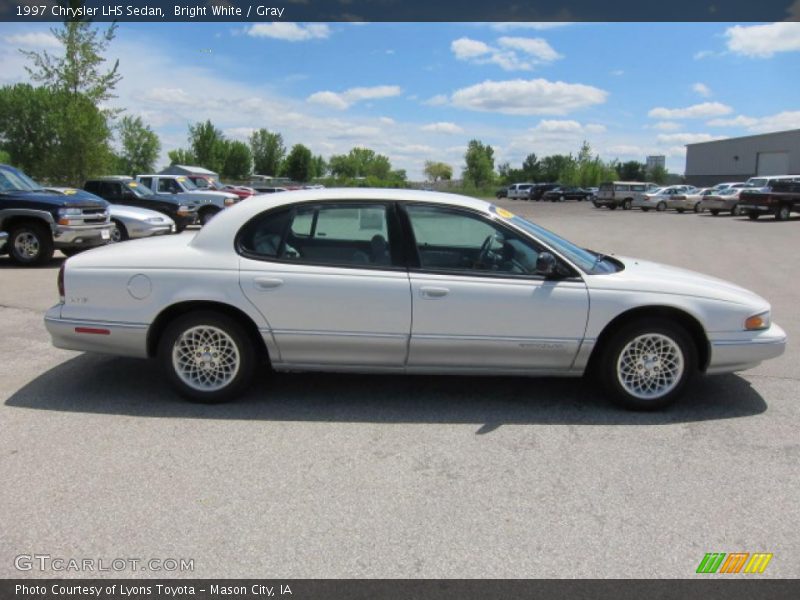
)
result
[(479, 160), (140, 146), (320, 167), (531, 169), (208, 145), (268, 151), (658, 174), (360, 162), (555, 166), (238, 162), (29, 127), (78, 70), (438, 170), (5, 157), (632, 171), (298, 163), (180, 156)]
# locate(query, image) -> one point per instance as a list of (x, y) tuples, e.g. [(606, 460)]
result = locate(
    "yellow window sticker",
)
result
[(133, 184), (504, 213), (181, 178), (70, 192)]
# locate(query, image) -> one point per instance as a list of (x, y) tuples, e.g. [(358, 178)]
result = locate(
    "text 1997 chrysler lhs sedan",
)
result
[(402, 282)]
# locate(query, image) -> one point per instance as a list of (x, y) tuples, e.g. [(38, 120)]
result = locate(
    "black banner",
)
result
[(397, 10), (398, 589)]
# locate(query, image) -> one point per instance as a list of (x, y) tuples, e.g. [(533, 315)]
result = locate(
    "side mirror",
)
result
[(546, 264)]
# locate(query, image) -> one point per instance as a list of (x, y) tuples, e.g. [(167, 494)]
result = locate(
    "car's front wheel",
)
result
[(782, 213), (119, 233), (627, 204), (30, 244), (661, 207), (753, 216), (736, 211), (646, 365), (207, 356)]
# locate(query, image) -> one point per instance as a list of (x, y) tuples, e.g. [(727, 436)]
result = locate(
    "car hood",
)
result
[(135, 212), (646, 276), (214, 193), (56, 199)]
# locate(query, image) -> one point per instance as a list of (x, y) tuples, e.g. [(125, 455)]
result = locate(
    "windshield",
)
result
[(187, 183), (588, 261), (12, 180), (729, 191), (140, 189), (758, 182)]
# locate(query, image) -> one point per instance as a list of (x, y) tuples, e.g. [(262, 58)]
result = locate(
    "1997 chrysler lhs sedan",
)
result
[(399, 281)]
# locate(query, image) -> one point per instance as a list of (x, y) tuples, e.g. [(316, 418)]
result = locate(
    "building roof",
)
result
[(745, 137)]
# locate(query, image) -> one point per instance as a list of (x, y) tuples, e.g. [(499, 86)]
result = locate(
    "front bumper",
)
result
[(121, 339), (81, 235), (745, 350), (149, 230)]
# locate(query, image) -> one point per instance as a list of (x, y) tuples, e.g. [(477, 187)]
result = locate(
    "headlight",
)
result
[(759, 321), (155, 220), (69, 212), (230, 201)]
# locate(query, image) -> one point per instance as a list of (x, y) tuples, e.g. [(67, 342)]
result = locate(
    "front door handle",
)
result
[(267, 283), (433, 292)]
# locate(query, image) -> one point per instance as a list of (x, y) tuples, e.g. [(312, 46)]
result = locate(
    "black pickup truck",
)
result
[(39, 222), (780, 200)]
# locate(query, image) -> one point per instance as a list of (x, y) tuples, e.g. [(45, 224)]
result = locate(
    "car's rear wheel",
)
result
[(646, 365), (697, 208), (645, 209), (207, 356), (627, 204), (753, 216), (736, 211), (30, 244), (714, 211), (661, 207), (782, 213)]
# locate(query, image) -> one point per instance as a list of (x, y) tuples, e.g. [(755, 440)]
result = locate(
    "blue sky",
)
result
[(421, 91)]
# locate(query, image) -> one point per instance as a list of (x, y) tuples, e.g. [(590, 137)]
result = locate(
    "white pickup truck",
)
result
[(208, 202)]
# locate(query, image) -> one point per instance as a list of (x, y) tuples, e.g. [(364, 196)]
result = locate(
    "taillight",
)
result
[(61, 294)]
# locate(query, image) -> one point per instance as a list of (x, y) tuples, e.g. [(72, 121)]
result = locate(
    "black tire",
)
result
[(697, 208), (645, 209), (30, 244), (119, 233), (782, 213), (612, 207), (680, 342), (206, 214), (736, 211), (237, 337), (680, 211), (753, 216), (627, 204), (596, 205), (714, 211), (661, 207)]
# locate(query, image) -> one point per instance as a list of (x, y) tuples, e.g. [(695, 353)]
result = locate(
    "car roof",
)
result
[(220, 231), (111, 178)]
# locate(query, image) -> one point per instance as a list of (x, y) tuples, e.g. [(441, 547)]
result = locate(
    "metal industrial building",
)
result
[(736, 159)]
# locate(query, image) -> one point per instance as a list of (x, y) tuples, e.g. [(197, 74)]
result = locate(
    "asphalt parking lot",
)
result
[(367, 476)]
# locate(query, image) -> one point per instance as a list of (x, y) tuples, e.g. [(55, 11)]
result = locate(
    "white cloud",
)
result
[(386, 120), (696, 111), (667, 126), (617, 72), (528, 97), (538, 26), (685, 138), (535, 47), (442, 127), (700, 55), (290, 32), (567, 127), (465, 48), (512, 53), (763, 41), (345, 99), (34, 39), (789, 119), (702, 89), (437, 100)]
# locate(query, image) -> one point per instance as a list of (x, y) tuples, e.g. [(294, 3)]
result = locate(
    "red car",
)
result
[(206, 182)]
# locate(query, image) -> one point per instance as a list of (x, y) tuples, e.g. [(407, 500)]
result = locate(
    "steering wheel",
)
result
[(484, 252)]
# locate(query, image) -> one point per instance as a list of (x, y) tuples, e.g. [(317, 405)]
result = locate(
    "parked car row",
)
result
[(553, 192)]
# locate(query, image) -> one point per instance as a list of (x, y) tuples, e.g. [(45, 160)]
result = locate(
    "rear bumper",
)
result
[(756, 208), (732, 354), (122, 339)]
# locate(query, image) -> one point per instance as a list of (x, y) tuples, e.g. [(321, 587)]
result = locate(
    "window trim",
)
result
[(415, 265), (392, 227)]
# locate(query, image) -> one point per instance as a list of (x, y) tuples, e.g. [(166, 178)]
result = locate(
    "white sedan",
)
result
[(678, 197), (400, 281)]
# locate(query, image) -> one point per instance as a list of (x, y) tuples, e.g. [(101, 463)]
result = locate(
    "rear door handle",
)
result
[(267, 283), (433, 292)]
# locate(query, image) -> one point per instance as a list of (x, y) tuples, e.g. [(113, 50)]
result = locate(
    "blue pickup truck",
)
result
[(39, 222)]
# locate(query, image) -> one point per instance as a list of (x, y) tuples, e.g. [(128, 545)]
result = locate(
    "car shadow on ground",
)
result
[(118, 386)]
